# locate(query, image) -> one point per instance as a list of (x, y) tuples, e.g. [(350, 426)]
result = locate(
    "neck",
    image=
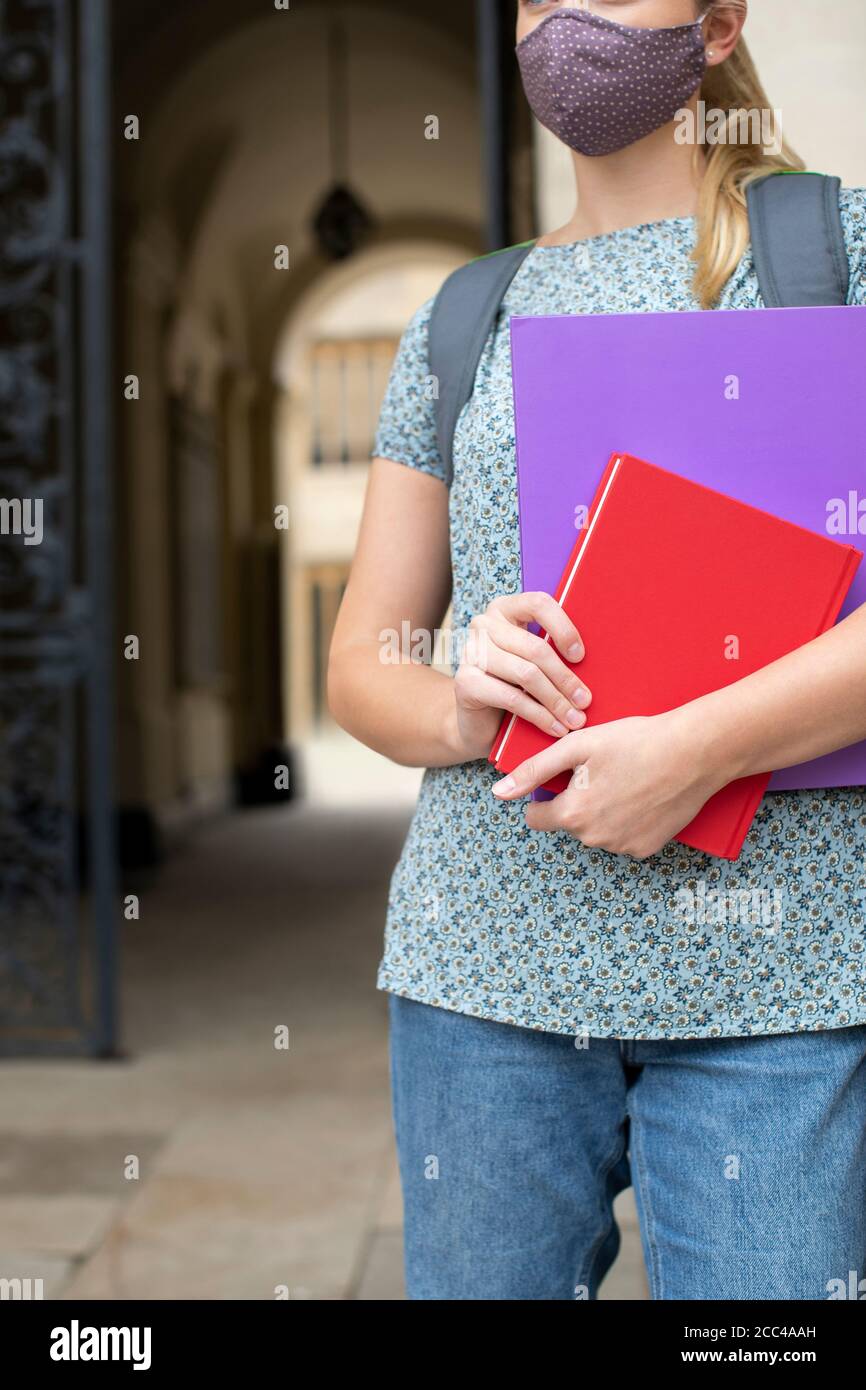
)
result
[(651, 180)]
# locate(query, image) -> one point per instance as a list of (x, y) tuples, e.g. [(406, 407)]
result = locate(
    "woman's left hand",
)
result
[(637, 783)]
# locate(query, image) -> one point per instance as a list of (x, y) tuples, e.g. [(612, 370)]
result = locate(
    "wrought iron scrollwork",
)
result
[(49, 51)]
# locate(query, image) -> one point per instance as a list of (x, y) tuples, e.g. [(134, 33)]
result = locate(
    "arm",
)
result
[(401, 571), (402, 574), (810, 702)]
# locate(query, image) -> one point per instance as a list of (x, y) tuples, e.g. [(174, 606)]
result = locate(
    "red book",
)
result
[(678, 590)]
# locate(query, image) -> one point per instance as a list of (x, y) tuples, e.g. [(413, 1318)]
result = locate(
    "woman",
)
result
[(559, 1027)]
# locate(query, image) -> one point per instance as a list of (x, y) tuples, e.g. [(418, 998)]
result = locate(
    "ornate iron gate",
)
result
[(58, 907)]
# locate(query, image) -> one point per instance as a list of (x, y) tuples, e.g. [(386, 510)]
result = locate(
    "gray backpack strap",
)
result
[(798, 242), (461, 319)]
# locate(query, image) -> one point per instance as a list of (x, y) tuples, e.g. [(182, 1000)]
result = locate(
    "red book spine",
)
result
[(510, 720)]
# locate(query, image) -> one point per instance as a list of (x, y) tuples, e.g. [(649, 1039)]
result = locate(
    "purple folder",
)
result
[(769, 407)]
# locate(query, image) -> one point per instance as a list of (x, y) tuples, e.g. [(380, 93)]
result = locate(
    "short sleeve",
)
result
[(852, 204), (407, 421)]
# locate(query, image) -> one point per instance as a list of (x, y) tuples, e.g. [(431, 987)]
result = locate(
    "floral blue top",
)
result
[(487, 917)]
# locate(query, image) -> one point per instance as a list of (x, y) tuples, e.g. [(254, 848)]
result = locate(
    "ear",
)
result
[(722, 30)]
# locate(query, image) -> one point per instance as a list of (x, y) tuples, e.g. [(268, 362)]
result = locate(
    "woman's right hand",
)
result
[(505, 667)]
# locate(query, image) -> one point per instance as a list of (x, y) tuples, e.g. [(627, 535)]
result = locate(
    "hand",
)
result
[(637, 783), (505, 667)]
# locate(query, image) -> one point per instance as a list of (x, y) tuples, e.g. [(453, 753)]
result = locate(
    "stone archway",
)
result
[(231, 165), (331, 366)]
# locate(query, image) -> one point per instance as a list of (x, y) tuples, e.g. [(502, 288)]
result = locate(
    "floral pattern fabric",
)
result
[(487, 917)]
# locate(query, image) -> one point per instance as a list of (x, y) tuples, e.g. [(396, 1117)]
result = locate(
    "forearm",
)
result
[(811, 702), (404, 710)]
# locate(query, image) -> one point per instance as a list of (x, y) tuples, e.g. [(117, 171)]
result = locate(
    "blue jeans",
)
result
[(748, 1158)]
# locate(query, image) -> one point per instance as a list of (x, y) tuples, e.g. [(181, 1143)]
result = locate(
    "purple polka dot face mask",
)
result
[(599, 86)]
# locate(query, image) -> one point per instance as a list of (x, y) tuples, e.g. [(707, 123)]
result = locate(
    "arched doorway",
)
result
[(223, 275), (331, 367)]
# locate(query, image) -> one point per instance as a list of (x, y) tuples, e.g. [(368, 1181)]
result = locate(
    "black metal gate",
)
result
[(58, 906)]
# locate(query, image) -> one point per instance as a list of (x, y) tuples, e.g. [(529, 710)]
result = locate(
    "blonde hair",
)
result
[(723, 222)]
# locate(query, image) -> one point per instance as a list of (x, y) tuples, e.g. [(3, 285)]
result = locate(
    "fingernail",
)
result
[(504, 787), (581, 698), (558, 729), (575, 653), (576, 720)]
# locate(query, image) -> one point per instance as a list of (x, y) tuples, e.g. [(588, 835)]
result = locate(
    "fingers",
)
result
[(528, 647), (568, 753), (499, 645), (487, 691), (520, 671), (537, 607), (546, 815), (527, 676)]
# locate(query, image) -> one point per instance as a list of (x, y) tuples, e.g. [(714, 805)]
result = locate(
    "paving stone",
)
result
[(626, 1281), (382, 1278), (54, 1225), (50, 1164)]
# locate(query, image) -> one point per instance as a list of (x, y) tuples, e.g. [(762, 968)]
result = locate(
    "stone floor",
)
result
[(207, 1162)]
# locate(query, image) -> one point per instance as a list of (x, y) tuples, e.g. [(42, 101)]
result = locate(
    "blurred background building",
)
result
[(220, 217), (217, 217)]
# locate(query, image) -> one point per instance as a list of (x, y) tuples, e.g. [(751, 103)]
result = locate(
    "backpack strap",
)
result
[(462, 316), (798, 242)]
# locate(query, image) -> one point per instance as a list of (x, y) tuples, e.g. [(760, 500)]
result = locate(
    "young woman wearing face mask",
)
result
[(558, 1032)]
